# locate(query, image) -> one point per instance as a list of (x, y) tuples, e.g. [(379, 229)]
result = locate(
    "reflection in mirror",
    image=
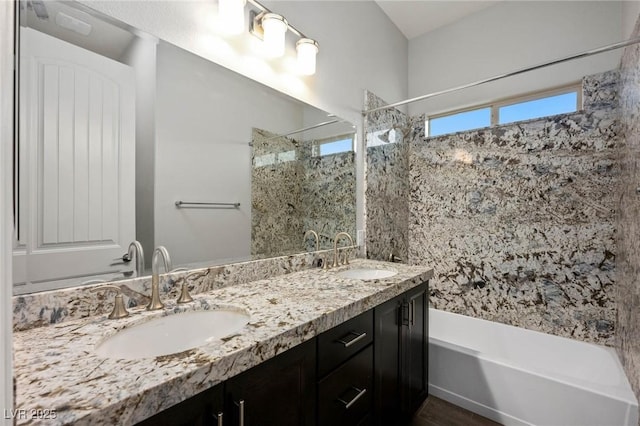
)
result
[(117, 126), (299, 184)]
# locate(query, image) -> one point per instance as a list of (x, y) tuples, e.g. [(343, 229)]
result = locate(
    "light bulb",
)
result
[(275, 29), (307, 51), (231, 13)]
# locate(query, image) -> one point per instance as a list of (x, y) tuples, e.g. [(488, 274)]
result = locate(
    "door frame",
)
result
[(7, 56)]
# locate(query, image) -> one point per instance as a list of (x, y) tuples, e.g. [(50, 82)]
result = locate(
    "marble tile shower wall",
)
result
[(518, 221), (628, 239)]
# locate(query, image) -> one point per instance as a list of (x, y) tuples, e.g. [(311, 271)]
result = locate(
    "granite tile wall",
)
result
[(628, 260), (518, 220), (387, 181), (329, 196), (277, 207)]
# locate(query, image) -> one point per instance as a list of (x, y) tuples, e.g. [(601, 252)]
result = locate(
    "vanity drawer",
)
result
[(345, 396), (343, 341)]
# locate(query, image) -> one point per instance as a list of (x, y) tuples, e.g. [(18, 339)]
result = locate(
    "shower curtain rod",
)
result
[(596, 51)]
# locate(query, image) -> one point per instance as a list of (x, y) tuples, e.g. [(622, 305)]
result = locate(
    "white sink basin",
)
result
[(366, 274), (172, 334)]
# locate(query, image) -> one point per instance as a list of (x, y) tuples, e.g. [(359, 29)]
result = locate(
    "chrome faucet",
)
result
[(315, 234), (135, 249), (336, 261), (160, 251)]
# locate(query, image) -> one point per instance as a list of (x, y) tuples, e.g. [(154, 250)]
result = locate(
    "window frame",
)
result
[(495, 106)]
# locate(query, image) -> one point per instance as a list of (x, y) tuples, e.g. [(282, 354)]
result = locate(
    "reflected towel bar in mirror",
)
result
[(192, 204)]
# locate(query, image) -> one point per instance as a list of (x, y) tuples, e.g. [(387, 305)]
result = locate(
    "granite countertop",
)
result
[(56, 367)]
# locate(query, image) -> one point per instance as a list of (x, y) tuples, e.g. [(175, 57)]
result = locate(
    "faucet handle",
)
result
[(119, 310), (347, 251), (185, 297), (326, 262)]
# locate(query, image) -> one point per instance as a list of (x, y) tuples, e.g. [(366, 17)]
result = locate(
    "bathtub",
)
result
[(521, 377)]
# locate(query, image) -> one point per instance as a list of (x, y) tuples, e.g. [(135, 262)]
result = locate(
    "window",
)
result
[(460, 121), (541, 104), (336, 145), (274, 158), (550, 105)]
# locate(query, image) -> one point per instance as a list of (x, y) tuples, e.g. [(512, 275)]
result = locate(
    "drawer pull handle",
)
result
[(218, 417), (348, 405), (359, 336), (412, 312), (240, 405)]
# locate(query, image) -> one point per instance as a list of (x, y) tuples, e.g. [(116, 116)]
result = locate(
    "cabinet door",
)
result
[(387, 357), (199, 410), (278, 392), (415, 351)]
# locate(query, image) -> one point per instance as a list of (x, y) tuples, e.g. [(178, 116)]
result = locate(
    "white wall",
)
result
[(204, 119), (630, 12), (506, 37), (141, 55), (6, 193), (360, 48)]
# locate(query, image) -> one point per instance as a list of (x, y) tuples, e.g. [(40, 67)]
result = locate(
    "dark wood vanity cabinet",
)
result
[(280, 391), (401, 358), (199, 410), (371, 369)]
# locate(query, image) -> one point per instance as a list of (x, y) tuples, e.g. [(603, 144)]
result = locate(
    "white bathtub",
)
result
[(521, 377)]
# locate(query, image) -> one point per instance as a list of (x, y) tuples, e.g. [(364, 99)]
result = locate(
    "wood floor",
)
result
[(437, 412)]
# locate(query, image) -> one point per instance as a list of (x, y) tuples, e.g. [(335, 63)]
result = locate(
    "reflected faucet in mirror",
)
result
[(160, 251), (135, 250), (315, 235), (336, 261)]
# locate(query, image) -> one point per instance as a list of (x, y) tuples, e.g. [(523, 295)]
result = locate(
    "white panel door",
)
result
[(77, 159)]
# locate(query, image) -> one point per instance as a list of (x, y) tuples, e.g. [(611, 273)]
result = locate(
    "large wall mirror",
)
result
[(125, 137)]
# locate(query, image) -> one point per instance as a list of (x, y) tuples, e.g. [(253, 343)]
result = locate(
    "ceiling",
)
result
[(418, 17)]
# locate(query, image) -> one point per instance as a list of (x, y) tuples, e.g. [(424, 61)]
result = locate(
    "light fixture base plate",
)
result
[(255, 24)]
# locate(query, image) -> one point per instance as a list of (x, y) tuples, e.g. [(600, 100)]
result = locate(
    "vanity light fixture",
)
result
[(307, 50), (232, 14), (272, 28)]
